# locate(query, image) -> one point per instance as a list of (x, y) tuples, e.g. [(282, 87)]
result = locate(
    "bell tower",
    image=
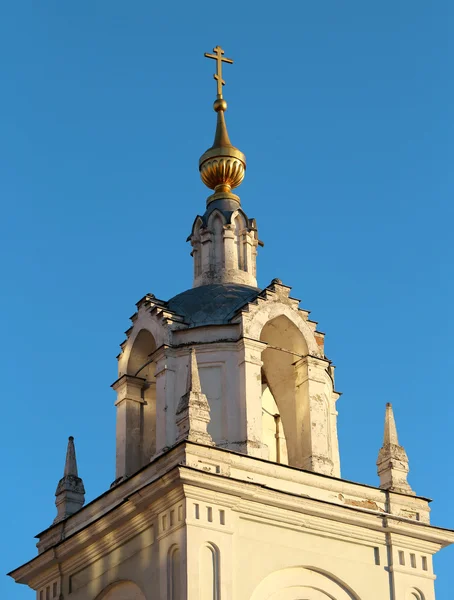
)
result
[(228, 482)]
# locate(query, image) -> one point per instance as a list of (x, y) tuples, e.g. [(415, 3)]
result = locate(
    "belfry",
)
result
[(228, 479)]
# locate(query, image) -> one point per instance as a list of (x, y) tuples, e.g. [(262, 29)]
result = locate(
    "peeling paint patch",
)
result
[(369, 504)]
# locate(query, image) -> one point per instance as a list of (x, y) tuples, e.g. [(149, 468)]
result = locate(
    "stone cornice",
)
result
[(274, 499), (252, 488)]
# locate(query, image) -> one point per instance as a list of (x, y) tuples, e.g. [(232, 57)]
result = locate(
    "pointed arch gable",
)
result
[(196, 226), (216, 215), (241, 216)]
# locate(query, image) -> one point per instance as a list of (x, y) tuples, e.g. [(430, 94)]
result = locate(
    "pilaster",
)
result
[(318, 442), (129, 424), (250, 396), (165, 399)]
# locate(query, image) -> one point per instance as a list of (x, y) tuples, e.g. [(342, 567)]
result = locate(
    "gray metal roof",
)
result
[(211, 304)]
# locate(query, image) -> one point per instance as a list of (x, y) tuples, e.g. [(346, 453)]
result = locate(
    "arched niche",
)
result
[(216, 224), (174, 587), (415, 594), (122, 590), (196, 250), (282, 407), (141, 365), (302, 583), (209, 579), (238, 225)]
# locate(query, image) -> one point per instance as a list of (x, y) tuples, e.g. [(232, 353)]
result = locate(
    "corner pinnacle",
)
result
[(392, 462), (390, 435), (70, 493), (71, 463)]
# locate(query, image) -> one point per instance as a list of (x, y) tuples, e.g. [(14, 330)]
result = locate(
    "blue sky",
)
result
[(345, 113)]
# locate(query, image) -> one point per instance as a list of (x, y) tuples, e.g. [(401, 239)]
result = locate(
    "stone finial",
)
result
[(70, 494), (193, 412), (392, 460)]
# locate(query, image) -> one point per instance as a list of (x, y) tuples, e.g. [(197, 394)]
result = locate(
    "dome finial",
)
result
[(222, 166)]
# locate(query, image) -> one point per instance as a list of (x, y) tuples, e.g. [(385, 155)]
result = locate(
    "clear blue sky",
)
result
[(345, 112)]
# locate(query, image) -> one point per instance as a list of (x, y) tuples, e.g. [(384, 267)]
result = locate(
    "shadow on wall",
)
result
[(122, 590)]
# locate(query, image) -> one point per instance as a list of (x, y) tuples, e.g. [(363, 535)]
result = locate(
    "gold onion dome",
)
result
[(222, 166)]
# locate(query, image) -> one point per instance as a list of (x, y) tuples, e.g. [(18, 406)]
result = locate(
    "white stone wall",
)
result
[(201, 523), (271, 338)]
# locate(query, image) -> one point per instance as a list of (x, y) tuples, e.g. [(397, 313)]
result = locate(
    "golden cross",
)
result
[(219, 58)]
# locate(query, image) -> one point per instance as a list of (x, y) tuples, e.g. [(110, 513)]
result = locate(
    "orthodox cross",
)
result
[(219, 58)]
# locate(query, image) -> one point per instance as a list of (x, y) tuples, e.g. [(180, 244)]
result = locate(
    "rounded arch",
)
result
[(415, 594), (259, 316), (303, 582), (143, 345), (122, 590), (150, 324)]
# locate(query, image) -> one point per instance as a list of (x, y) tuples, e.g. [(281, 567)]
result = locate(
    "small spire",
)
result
[(193, 411), (71, 464), (70, 493), (221, 137), (390, 436), (193, 374), (392, 460)]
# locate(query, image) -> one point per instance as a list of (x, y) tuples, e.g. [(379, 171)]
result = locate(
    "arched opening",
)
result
[(141, 365), (282, 409)]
